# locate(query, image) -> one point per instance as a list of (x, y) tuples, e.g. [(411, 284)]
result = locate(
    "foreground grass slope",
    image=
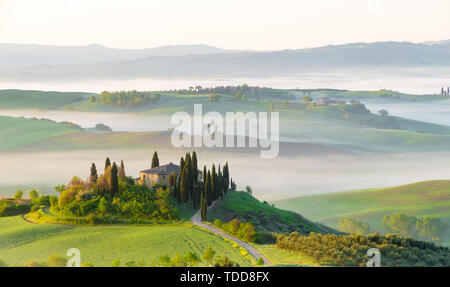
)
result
[(243, 206), (43, 100), (371, 205), (21, 242)]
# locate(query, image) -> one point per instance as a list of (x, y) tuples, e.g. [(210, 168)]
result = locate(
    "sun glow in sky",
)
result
[(233, 24)]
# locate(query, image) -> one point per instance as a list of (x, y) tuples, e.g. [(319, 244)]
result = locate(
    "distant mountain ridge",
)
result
[(98, 62), (24, 55)]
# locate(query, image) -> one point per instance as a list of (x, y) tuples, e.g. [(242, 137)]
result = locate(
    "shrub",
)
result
[(18, 195), (57, 261), (35, 208)]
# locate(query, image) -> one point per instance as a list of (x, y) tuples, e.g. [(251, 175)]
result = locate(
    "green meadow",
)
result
[(22, 242), (16, 132), (371, 205), (42, 100), (245, 207)]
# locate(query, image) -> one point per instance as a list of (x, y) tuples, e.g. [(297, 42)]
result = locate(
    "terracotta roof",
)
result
[(164, 169)]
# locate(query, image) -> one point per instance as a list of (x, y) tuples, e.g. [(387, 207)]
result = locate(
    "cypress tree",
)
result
[(208, 189), (177, 187), (190, 183), (155, 160), (94, 175), (214, 183), (172, 179), (194, 167), (204, 174), (184, 185), (122, 170), (199, 188), (107, 163), (181, 164), (226, 178), (114, 180), (203, 205), (220, 183)]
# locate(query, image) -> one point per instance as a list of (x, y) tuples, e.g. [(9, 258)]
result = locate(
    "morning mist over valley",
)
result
[(226, 134)]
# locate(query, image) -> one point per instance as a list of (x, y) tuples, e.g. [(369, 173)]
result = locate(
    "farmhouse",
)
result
[(159, 175), (329, 102)]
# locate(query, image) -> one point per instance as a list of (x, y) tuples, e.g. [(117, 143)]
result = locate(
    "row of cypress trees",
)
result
[(200, 192), (216, 185), (109, 181)]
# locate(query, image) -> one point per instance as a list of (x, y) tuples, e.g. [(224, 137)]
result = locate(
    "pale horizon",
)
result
[(249, 25)]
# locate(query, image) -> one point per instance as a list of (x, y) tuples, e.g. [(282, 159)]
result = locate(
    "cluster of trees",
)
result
[(427, 228), (240, 91), (17, 206), (241, 230), (351, 250), (127, 99), (189, 187), (349, 225), (209, 258), (9, 207), (356, 107), (114, 194)]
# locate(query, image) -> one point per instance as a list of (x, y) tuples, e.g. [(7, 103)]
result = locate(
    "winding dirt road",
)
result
[(197, 220)]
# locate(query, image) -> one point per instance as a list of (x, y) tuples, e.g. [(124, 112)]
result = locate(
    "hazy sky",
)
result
[(237, 24)]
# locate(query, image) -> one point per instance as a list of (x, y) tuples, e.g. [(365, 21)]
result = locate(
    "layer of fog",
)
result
[(437, 112), (271, 179), (414, 82), (119, 122)]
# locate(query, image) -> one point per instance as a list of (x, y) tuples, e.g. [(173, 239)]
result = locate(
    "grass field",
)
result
[(21, 242), (418, 199), (21, 99), (241, 205), (280, 257)]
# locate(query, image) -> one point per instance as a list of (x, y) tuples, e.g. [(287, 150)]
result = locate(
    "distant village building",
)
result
[(329, 102)]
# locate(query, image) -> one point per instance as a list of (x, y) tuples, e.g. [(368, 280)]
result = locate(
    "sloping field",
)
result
[(21, 99), (371, 205), (21, 242)]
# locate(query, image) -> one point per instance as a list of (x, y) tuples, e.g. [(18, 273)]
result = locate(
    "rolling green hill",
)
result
[(21, 99), (22, 242), (371, 205), (243, 206), (330, 125), (379, 95), (16, 132)]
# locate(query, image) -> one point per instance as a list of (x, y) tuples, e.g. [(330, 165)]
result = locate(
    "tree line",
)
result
[(127, 99), (429, 228), (350, 250)]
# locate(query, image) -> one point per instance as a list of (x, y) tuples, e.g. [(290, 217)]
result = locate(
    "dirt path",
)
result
[(197, 220), (29, 221)]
